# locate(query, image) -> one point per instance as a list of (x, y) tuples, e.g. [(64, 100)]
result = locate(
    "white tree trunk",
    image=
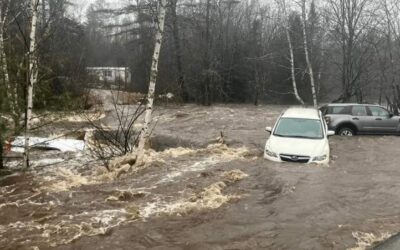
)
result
[(33, 72), (292, 66), (145, 133), (309, 64), (321, 68), (282, 4)]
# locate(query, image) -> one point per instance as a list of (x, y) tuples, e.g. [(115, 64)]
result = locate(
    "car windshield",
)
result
[(299, 128)]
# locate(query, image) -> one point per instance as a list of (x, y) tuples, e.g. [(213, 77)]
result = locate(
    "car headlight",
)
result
[(319, 158), (270, 153)]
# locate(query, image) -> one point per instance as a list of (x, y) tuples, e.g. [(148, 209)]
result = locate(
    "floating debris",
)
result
[(63, 145), (366, 240), (234, 175)]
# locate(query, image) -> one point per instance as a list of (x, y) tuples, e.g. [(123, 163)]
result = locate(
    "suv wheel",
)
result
[(346, 132)]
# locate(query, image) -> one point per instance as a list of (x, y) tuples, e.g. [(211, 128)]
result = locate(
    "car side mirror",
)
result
[(330, 133), (268, 129), (391, 115)]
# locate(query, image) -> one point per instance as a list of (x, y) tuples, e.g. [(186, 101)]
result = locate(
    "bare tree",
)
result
[(33, 73), (145, 133), (386, 52), (306, 52), (207, 80), (10, 90), (286, 24), (106, 143), (178, 51), (351, 22)]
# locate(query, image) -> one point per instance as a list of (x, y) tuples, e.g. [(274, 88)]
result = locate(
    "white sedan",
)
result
[(299, 135)]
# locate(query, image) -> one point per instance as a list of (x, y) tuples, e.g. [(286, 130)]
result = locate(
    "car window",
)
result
[(338, 110), (358, 111), (378, 111), (299, 127)]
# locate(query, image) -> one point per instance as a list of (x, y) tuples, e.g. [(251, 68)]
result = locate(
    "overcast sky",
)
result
[(80, 6)]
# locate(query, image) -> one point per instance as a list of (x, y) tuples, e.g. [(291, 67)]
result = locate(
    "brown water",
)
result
[(277, 206)]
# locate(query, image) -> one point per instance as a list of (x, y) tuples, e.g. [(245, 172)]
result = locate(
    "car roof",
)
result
[(298, 112), (351, 104)]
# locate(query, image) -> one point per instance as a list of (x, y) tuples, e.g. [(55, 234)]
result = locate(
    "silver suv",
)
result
[(349, 119)]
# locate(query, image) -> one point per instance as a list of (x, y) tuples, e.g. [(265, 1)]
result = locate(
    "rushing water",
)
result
[(277, 206)]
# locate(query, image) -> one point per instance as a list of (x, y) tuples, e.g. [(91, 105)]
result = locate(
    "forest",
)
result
[(212, 52), (256, 51)]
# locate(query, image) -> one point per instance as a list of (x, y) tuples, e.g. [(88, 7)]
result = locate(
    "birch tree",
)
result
[(286, 24), (33, 73), (306, 52), (145, 134)]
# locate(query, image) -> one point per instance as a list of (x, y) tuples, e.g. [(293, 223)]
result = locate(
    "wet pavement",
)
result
[(173, 203)]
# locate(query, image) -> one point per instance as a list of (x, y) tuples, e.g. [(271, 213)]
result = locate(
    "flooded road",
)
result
[(210, 196)]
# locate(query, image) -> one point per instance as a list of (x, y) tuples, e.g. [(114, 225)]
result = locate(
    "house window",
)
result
[(107, 73)]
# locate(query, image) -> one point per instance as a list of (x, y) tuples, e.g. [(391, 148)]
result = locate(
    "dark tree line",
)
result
[(42, 64), (237, 51), (60, 51), (214, 51)]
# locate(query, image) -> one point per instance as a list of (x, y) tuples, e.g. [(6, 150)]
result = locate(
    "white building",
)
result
[(110, 74)]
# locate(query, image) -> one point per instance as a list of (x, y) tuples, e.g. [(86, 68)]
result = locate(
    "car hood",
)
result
[(298, 146)]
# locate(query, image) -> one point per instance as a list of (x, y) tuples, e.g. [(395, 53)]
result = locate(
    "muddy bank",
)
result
[(185, 198)]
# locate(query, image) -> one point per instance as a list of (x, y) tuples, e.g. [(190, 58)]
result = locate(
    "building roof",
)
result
[(298, 112), (107, 68)]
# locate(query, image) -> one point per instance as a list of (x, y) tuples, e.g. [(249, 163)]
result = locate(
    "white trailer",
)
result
[(110, 74)]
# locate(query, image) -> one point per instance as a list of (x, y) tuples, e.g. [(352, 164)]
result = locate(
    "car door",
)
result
[(382, 121), (360, 118)]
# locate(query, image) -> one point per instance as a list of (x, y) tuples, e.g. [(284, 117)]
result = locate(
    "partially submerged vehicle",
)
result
[(60, 144), (300, 135), (348, 119)]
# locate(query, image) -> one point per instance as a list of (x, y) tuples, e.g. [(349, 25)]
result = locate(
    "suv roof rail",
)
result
[(342, 104), (349, 103)]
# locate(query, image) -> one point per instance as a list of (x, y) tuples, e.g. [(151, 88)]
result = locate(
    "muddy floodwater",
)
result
[(194, 193)]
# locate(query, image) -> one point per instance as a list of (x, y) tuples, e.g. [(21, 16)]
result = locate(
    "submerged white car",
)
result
[(299, 135)]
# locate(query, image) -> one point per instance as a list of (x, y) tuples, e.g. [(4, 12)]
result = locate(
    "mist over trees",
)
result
[(213, 51), (238, 51)]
